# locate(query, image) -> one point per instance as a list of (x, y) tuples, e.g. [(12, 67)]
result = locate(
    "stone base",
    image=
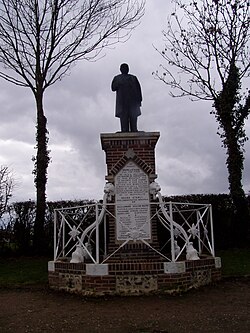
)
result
[(133, 278)]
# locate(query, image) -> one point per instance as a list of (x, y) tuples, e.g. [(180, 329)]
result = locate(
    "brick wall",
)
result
[(128, 278)]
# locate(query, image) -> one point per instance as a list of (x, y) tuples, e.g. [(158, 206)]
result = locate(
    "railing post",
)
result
[(97, 234), (212, 229), (198, 220), (63, 235), (172, 231), (105, 234), (55, 223)]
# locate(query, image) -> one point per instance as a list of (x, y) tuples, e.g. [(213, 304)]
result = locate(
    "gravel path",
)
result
[(222, 308)]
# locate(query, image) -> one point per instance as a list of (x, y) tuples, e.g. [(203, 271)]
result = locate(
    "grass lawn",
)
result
[(23, 271), (32, 271), (235, 262)]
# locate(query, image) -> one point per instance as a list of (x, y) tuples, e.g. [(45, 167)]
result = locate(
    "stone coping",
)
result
[(166, 267), (130, 135)]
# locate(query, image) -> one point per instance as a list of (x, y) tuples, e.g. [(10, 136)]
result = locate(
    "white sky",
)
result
[(189, 156)]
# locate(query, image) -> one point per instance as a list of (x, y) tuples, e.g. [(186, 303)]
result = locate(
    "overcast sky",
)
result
[(189, 156)]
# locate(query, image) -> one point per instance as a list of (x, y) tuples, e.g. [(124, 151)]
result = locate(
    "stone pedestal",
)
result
[(130, 159)]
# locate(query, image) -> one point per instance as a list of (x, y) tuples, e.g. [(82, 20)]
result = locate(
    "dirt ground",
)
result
[(224, 307)]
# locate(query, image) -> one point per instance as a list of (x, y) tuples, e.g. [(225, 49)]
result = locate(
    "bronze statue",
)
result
[(128, 99)]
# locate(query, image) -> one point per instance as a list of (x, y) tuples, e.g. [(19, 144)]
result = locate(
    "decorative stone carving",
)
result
[(177, 249), (154, 189), (192, 254), (130, 154), (80, 253), (109, 189)]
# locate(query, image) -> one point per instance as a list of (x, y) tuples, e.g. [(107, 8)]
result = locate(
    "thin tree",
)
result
[(207, 58), (7, 184), (40, 40)]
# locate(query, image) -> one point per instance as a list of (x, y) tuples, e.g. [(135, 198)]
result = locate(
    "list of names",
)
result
[(132, 203)]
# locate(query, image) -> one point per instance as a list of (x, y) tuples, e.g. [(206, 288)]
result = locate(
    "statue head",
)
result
[(124, 68)]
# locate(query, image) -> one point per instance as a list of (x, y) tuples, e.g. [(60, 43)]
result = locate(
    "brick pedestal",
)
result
[(119, 148), (134, 278), (138, 148)]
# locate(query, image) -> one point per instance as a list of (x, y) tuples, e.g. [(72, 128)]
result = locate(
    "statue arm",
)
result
[(139, 92), (114, 84)]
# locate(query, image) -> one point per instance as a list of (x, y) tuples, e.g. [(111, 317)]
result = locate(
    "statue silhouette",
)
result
[(128, 99)]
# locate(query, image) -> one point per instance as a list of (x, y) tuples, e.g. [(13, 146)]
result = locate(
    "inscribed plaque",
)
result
[(132, 203)]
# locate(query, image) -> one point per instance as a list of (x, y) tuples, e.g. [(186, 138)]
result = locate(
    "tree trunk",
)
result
[(241, 214), (235, 163), (230, 116), (40, 171)]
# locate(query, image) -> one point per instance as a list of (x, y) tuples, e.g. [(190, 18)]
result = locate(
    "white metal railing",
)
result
[(190, 226), (189, 230)]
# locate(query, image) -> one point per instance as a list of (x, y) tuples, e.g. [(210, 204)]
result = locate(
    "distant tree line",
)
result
[(17, 224)]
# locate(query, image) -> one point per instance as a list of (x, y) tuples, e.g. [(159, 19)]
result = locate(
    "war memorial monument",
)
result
[(132, 242)]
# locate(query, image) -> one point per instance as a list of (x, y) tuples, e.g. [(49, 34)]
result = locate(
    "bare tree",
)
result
[(40, 40), (7, 184), (207, 58)]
